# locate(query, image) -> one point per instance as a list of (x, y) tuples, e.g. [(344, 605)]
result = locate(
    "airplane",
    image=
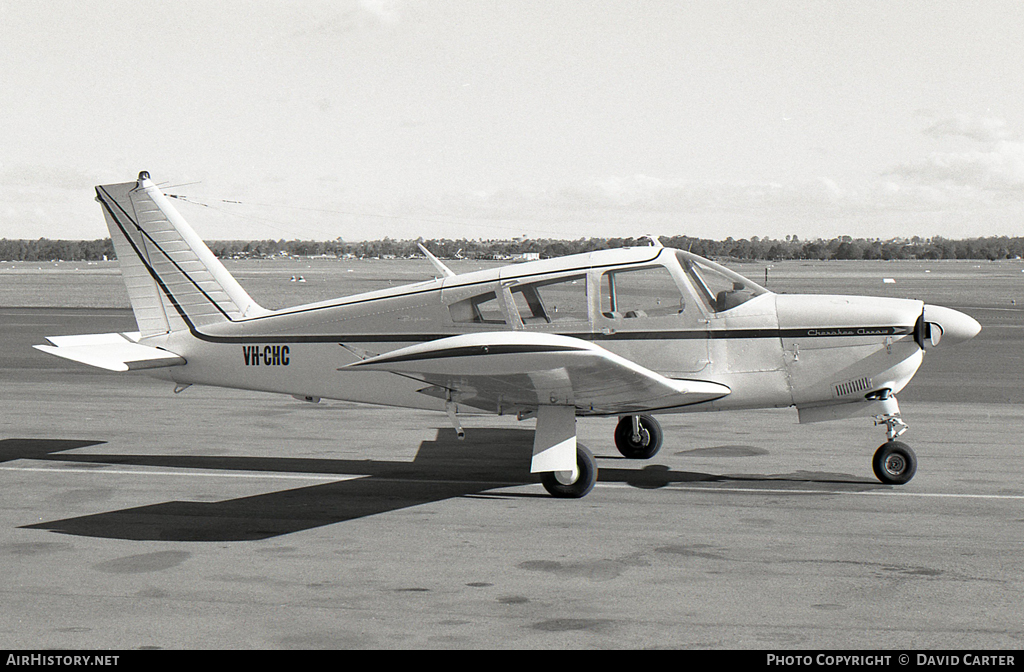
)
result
[(629, 333)]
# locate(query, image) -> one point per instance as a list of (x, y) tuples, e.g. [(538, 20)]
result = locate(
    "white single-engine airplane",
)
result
[(625, 332)]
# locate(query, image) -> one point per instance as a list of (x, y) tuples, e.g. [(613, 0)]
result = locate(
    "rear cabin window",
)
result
[(481, 309), (642, 292), (549, 301)]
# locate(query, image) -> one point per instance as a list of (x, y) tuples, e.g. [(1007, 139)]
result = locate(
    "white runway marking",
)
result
[(498, 485), (206, 474), (794, 491)]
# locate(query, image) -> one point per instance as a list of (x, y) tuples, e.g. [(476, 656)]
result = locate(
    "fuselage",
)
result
[(670, 311)]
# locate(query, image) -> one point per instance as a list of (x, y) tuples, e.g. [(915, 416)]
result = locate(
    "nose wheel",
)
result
[(894, 462)]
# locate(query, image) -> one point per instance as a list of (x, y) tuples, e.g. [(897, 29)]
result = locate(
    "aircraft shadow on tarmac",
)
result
[(444, 468)]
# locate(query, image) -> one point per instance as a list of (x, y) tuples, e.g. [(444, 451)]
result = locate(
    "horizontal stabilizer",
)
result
[(113, 352)]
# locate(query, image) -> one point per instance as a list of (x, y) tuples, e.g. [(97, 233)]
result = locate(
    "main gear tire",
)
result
[(562, 484), (642, 447)]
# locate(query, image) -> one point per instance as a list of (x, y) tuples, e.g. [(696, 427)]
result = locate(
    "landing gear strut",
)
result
[(638, 437), (894, 462)]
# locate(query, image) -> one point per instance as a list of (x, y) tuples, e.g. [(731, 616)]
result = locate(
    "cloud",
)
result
[(1000, 168), (996, 163), (48, 177), (385, 11), (51, 201), (344, 18), (919, 199), (622, 197), (981, 129)]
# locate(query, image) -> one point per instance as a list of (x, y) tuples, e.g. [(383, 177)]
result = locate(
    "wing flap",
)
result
[(113, 352), (523, 369)]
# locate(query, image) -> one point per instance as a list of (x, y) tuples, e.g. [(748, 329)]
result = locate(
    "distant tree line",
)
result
[(756, 248), (54, 250), (761, 249)]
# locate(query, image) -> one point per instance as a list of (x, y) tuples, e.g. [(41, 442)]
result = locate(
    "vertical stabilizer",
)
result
[(174, 281)]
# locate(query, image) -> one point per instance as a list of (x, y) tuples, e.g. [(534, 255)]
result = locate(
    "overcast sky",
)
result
[(549, 118)]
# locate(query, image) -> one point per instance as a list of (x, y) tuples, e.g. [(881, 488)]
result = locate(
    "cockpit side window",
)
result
[(640, 292), (720, 289)]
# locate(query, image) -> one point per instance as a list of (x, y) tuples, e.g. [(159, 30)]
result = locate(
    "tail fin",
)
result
[(174, 282)]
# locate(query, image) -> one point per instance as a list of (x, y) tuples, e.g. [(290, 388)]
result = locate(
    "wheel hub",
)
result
[(567, 477), (642, 439), (895, 465)]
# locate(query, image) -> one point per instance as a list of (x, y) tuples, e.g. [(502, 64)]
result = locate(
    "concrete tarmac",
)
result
[(132, 517)]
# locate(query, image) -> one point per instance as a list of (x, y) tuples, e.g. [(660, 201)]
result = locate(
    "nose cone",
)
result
[(955, 326)]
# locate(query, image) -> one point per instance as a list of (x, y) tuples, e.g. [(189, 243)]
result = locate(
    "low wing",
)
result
[(114, 352), (513, 370)]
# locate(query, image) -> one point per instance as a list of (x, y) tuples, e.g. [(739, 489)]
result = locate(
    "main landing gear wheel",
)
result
[(894, 463), (562, 483), (638, 437)]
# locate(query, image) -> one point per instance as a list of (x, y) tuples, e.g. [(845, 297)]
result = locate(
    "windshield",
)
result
[(719, 288)]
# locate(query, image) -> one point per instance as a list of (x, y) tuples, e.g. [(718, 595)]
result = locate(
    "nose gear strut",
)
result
[(894, 462), (894, 425)]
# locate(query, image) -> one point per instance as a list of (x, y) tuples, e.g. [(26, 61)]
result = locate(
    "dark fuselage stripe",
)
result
[(717, 334)]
